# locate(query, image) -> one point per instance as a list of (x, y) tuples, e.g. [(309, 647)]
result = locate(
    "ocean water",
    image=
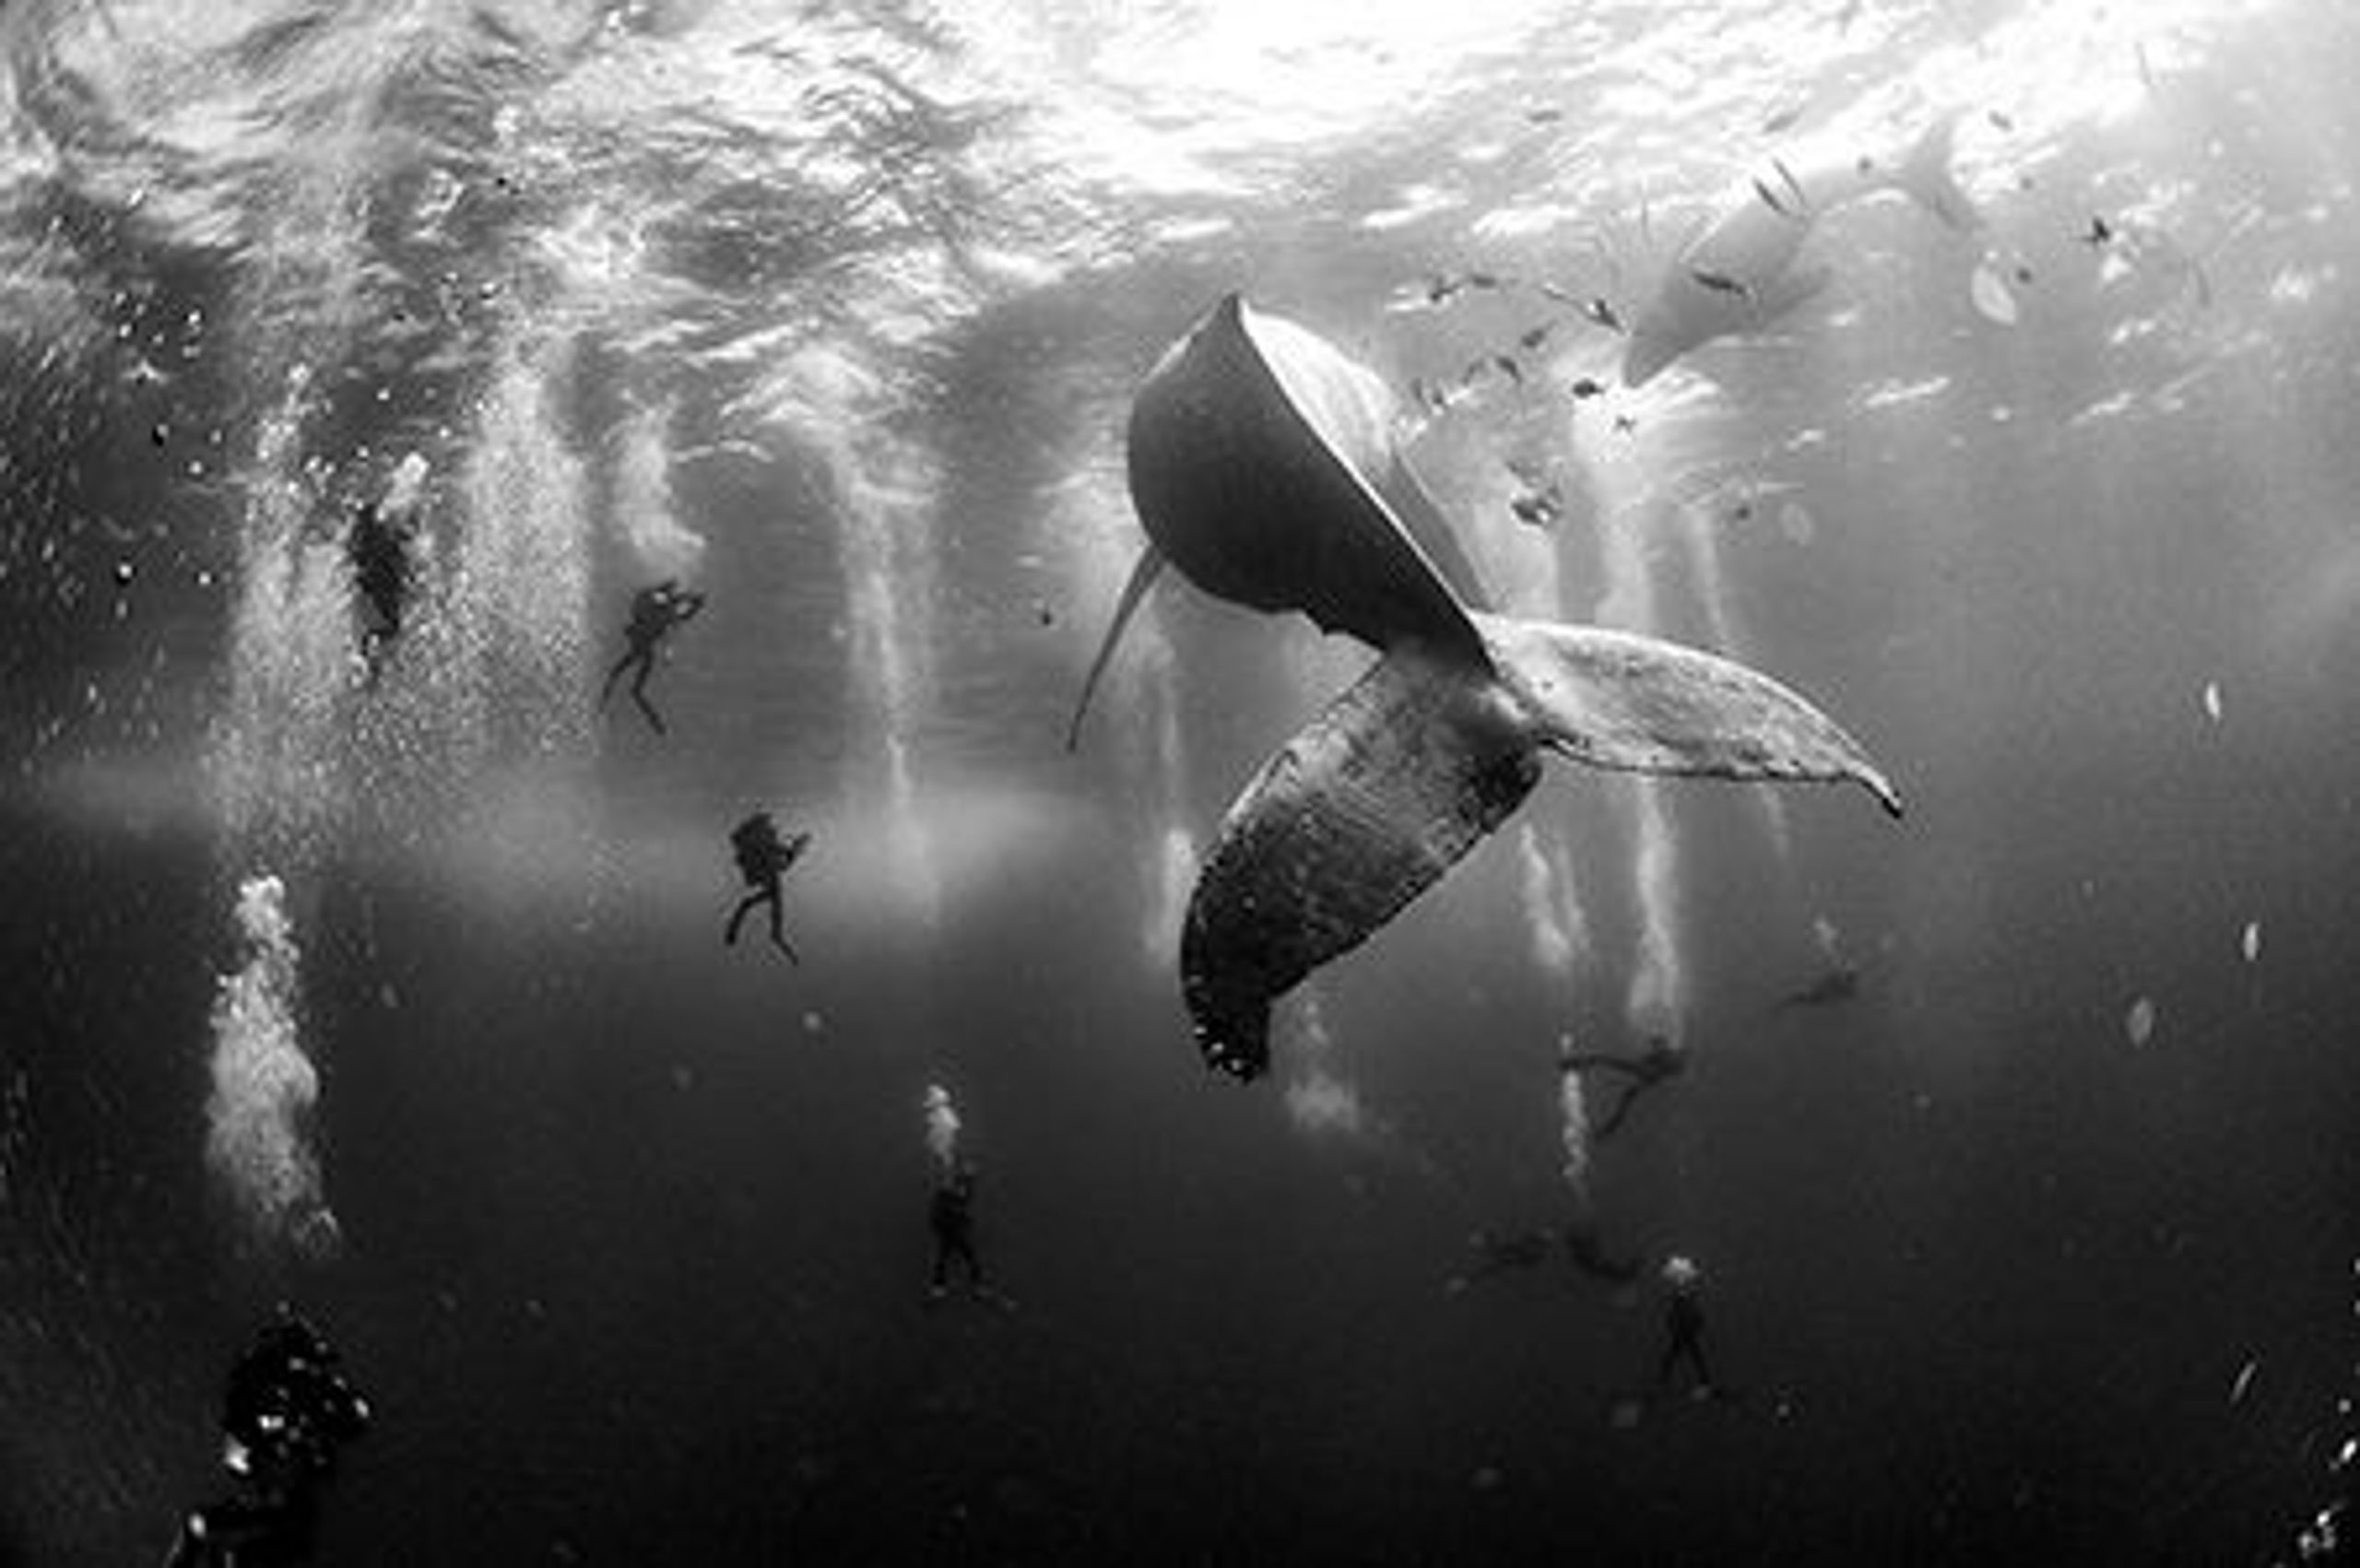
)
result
[(2036, 1244)]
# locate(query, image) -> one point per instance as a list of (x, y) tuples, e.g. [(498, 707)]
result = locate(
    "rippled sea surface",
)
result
[(2019, 1139)]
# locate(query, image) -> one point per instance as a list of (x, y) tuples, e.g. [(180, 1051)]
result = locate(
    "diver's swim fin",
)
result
[(1143, 577)]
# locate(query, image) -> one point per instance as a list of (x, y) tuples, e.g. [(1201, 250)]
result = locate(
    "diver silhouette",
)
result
[(951, 1215), (763, 859), (378, 547), (286, 1410), (1684, 1324), (656, 612), (1659, 1061), (1838, 983)]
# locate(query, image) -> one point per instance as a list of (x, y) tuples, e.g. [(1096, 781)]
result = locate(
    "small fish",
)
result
[(1722, 282), (1544, 115), (2245, 1379), (1741, 512), (2139, 1023), (1587, 386), (1794, 186), (1441, 289), (2099, 233), (1600, 310), (1991, 297), (1483, 280), (1533, 510), (2212, 700), (1770, 198), (2000, 122), (1534, 337), (1626, 425), (1783, 120), (2249, 943), (1509, 368)]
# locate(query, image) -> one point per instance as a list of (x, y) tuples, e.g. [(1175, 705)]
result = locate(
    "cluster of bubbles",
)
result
[(265, 1088)]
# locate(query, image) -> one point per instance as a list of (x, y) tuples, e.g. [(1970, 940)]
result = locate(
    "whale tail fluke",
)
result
[(1354, 818), (1925, 177), (1639, 705), (1409, 768)]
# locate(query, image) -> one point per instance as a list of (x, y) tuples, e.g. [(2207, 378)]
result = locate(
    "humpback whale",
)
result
[(1739, 273), (1263, 465)]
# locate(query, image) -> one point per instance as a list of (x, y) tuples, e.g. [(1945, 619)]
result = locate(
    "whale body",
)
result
[(1741, 271), (1262, 464)]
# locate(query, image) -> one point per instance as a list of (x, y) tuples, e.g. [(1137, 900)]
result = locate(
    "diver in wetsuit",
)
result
[(381, 568), (1838, 983), (379, 548), (1659, 1061), (656, 612), (763, 858), (286, 1412), (951, 1215), (1684, 1323)]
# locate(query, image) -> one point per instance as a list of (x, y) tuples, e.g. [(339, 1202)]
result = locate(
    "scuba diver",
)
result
[(1839, 982), (951, 1215), (1659, 1061), (1683, 1322), (763, 859), (656, 612), (379, 545), (286, 1412)]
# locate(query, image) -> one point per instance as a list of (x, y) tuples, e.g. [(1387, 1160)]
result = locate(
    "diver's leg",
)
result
[(615, 673), (1696, 1360), (639, 692), (778, 927), (737, 916)]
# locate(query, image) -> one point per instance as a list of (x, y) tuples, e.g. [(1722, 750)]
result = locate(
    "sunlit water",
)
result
[(405, 998)]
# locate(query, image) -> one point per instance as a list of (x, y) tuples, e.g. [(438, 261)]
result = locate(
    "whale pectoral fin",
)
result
[(1143, 577), (1354, 818), (1617, 700)]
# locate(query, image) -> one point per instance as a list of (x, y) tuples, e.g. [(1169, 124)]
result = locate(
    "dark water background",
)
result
[(633, 1224)]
